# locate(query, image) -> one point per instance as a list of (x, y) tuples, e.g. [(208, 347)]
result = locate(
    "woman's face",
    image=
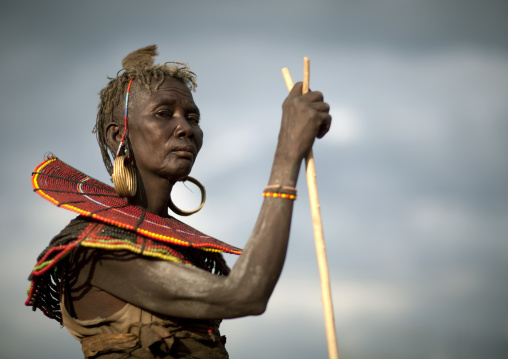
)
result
[(164, 130)]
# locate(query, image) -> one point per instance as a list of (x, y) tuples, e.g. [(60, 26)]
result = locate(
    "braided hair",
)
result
[(140, 64)]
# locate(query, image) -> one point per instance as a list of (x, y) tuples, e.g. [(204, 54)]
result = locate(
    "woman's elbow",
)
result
[(249, 299), (254, 307), (245, 308), (258, 308)]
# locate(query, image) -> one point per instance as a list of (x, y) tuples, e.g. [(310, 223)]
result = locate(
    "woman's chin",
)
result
[(180, 175)]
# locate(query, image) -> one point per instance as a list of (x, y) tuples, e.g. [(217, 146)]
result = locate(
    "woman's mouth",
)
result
[(185, 152)]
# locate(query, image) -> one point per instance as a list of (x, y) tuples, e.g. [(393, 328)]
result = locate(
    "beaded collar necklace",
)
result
[(71, 189)]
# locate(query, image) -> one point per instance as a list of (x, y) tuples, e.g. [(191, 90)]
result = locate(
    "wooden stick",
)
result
[(287, 78), (318, 228), (306, 75)]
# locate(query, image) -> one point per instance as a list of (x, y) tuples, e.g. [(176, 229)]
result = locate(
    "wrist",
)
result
[(285, 169)]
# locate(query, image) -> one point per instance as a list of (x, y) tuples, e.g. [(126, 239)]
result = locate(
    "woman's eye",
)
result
[(164, 113), (193, 118)]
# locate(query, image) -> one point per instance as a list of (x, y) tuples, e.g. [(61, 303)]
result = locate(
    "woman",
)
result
[(118, 294)]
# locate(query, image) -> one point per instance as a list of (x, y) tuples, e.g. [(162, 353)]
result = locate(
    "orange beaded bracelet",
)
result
[(279, 191), (279, 195)]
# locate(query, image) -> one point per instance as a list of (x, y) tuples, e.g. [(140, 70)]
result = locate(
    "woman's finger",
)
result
[(314, 96), (320, 106), (325, 126)]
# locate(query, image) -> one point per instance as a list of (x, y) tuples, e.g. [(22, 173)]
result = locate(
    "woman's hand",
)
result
[(304, 117)]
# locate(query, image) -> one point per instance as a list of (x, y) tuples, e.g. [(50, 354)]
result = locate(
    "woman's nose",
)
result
[(183, 128)]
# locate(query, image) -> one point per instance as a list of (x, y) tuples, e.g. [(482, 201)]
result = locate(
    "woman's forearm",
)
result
[(257, 270)]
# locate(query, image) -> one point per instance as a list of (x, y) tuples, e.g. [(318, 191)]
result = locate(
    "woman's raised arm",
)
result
[(178, 290)]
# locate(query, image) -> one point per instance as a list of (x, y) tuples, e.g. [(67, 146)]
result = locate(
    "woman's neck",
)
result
[(152, 194)]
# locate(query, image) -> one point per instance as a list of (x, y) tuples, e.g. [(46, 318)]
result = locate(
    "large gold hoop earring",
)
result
[(181, 212), (124, 177)]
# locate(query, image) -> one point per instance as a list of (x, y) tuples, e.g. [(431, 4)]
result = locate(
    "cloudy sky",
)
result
[(412, 177)]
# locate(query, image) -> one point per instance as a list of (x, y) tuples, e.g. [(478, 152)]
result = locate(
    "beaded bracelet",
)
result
[(279, 191), (279, 195)]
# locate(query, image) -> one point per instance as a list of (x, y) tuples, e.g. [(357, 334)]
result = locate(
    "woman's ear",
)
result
[(113, 136)]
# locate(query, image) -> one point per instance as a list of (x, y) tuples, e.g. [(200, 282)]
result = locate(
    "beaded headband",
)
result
[(125, 118)]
